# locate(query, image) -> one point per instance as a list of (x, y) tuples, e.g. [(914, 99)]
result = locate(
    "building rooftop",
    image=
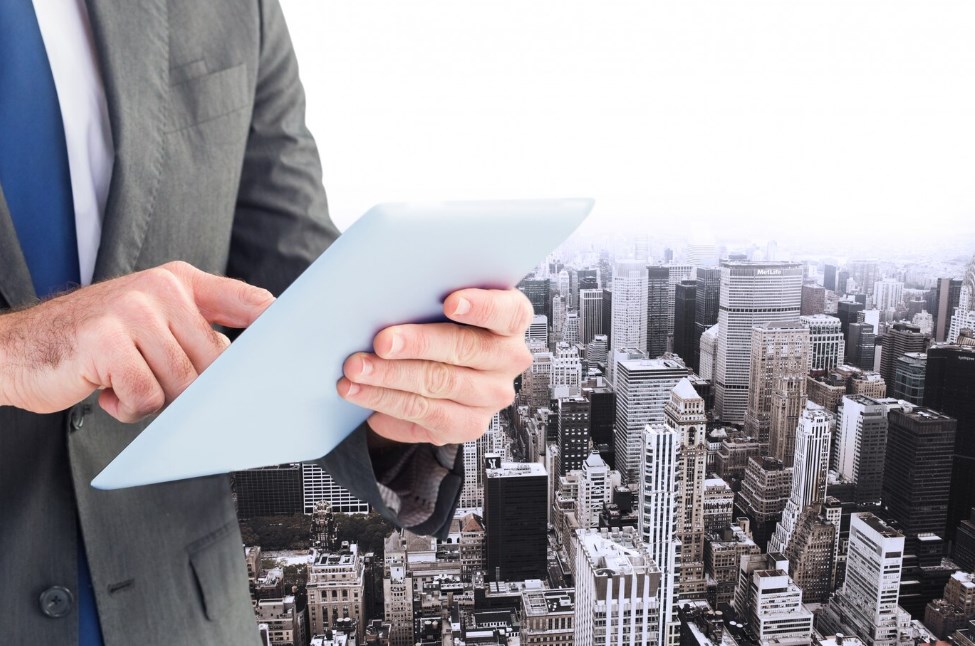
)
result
[(543, 602), (878, 525), (685, 390), (517, 470), (652, 364)]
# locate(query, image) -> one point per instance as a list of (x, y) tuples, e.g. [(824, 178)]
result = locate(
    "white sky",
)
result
[(724, 116)]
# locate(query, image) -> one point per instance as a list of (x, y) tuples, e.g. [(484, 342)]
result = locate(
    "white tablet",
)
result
[(271, 398)]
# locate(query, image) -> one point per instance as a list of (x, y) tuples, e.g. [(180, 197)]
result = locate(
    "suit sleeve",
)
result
[(281, 225)]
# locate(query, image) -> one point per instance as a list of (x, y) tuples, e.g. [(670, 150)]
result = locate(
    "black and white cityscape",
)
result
[(718, 443)]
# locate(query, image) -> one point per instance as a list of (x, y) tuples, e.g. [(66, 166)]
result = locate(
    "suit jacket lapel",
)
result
[(16, 286), (132, 40)]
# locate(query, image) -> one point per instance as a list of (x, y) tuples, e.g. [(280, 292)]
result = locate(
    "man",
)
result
[(144, 148)]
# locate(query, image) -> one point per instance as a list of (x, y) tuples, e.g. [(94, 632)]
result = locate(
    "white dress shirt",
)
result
[(70, 48)]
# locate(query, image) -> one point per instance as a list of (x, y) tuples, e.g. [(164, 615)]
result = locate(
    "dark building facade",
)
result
[(608, 316), (909, 377), (573, 433), (269, 491), (917, 470), (685, 305), (659, 315), (516, 521), (899, 340), (813, 300), (706, 304), (829, 277), (949, 387), (602, 417), (588, 278), (860, 345), (846, 312), (539, 293), (947, 296)]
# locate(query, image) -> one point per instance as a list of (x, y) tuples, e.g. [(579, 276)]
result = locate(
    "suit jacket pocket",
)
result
[(208, 97), (214, 559)]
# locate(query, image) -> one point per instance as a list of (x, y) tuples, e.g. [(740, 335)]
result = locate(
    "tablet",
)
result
[(270, 398)]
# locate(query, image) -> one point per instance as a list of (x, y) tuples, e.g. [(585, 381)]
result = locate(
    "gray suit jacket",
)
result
[(213, 166)]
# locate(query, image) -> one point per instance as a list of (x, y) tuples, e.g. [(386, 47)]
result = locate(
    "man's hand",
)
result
[(141, 339), (442, 382)]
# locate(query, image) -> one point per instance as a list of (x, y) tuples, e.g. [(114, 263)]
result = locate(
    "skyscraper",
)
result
[(846, 312), (861, 444), (826, 338), (515, 520), (602, 417), (949, 387), (909, 377), (268, 491), (573, 433), (948, 291), (629, 309), (590, 314), (538, 292), (829, 277), (810, 554), (899, 340), (706, 302), (888, 294), (660, 312), (318, 485), (751, 294), (860, 345), (685, 305), (709, 352), (642, 389), (813, 300), (779, 350)]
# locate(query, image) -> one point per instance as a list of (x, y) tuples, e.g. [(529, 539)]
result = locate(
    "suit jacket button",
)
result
[(56, 601)]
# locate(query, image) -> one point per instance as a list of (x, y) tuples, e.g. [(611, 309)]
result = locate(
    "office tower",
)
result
[(558, 315), (772, 607), (866, 605), (685, 305), (472, 494), (808, 472), (336, 589), (573, 437), (539, 293), (566, 379), (861, 444), (733, 454), (947, 294), (516, 521), (570, 331), (588, 279), (860, 345), (608, 313), (602, 417), (397, 590), (917, 470), (706, 301), (778, 350), (563, 284), (788, 401), (829, 277), (810, 553), (899, 340), (658, 508), (843, 282), (536, 382), (723, 551), (949, 387), (660, 312), (864, 273), (813, 300), (617, 590), (909, 377), (597, 350), (284, 623), (268, 491), (888, 294), (573, 289), (847, 312), (751, 294), (964, 549), (318, 485), (629, 328), (590, 314), (595, 489), (719, 504), (764, 492), (709, 352), (826, 339), (546, 617), (642, 390), (537, 331)]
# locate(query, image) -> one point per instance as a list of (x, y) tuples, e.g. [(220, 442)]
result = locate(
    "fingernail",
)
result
[(463, 307), (353, 389), (395, 344), (366, 366)]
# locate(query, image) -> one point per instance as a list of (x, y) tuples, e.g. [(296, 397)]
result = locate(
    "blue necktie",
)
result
[(36, 183)]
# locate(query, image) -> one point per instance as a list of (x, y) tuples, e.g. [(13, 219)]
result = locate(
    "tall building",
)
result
[(318, 485), (909, 377), (706, 302), (826, 339), (558, 316), (588, 279), (888, 294), (751, 294), (829, 277), (597, 350), (860, 345), (813, 300), (948, 293), (808, 472), (602, 417), (515, 520), (843, 282), (860, 448), (617, 590), (629, 309), (899, 340), (536, 382), (709, 352), (658, 514), (866, 605), (397, 591), (811, 554), (642, 389), (685, 304), (268, 491), (336, 589), (608, 312), (590, 314), (847, 312), (765, 489), (772, 606), (917, 473), (537, 331), (573, 433), (538, 292), (660, 310), (788, 401), (723, 550), (472, 494), (779, 350), (595, 490), (566, 377), (949, 387)]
